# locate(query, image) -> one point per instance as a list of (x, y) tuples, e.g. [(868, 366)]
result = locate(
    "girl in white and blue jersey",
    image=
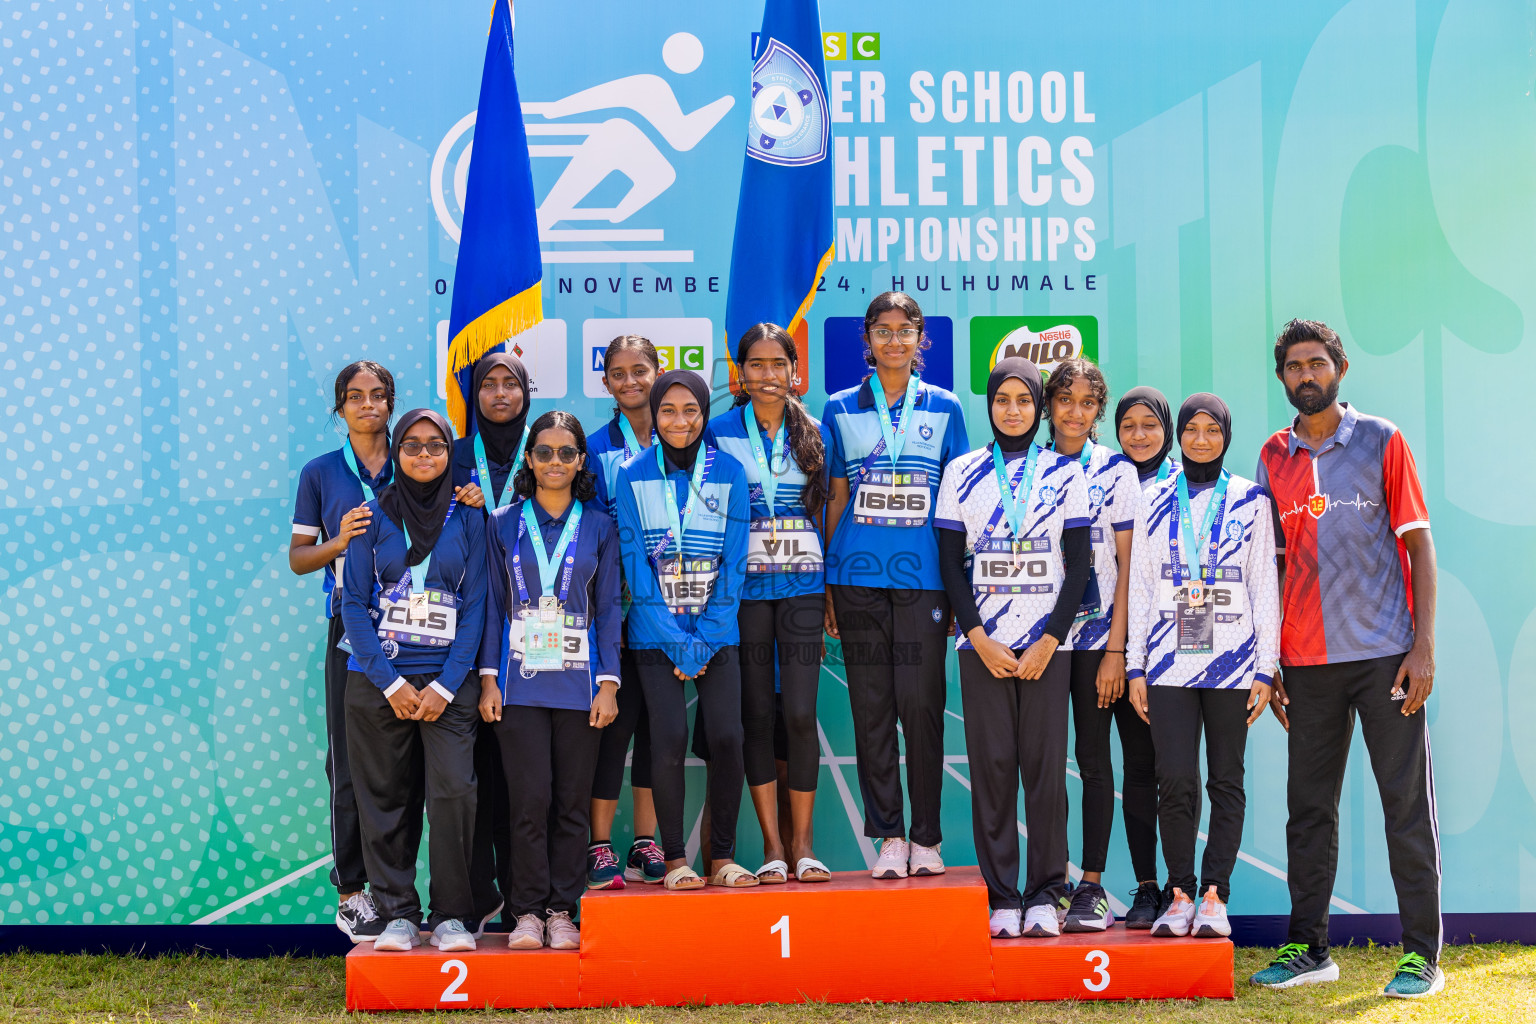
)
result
[(1201, 650), (783, 452), (1075, 400), (549, 670), (683, 516), (630, 368), (892, 438), (1019, 512), (413, 600), (331, 508)]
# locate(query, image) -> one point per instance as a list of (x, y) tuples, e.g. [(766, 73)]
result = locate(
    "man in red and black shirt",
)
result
[(1358, 582)]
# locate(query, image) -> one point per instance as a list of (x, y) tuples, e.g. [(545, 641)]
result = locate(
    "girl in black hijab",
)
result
[(1021, 512), (1145, 429), (497, 431), (1201, 649), (413, 602), (683, 515)]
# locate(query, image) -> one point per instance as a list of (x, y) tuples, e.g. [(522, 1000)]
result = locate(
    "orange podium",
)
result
[(850, 940)]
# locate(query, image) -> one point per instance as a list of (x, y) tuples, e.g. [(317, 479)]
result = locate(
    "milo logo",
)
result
[(1044, 340)]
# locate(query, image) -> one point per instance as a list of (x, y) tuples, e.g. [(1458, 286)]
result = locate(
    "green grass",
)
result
[(1489, 984)]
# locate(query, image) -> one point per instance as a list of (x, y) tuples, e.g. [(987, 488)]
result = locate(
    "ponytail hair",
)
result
[(803, 438)]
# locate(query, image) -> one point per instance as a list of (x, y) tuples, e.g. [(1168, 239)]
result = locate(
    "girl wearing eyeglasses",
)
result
[(413, 601), (892, 437), (630, 367), (554, 595), (783, 452), (683, 515), (332, 508)]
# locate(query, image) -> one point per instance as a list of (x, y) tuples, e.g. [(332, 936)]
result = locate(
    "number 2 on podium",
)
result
[(782, 930)]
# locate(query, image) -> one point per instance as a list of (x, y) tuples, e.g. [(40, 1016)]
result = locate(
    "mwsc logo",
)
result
[(1044, 340), (682, 343)]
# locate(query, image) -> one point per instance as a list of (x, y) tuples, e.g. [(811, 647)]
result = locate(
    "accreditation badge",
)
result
[(543, 638), (1195, 624)]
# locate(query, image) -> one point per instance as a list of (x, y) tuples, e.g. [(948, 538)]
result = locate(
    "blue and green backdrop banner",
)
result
[(207, 209)]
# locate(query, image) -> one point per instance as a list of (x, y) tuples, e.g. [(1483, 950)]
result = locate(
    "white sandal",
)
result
[(814, 867), (682, 878), (733, 876), (772, 867)]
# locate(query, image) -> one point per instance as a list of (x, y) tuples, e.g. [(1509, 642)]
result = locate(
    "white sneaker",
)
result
[(925, 860), (1211, 917), (1041, 922), (892, 862), (1004, 924), (452, 937), (1176, 921), (560, 932), (399, 936), (528, 933)]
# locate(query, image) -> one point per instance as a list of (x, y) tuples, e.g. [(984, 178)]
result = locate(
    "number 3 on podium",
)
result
[(1100, 969), (781, 929)]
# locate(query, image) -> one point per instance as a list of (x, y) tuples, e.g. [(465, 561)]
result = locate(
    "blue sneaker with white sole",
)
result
[(1295, 965), (1416, 978)]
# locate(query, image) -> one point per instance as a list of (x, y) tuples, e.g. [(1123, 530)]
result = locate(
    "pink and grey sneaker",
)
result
[(892, 862), (603, 869), (645, 862)]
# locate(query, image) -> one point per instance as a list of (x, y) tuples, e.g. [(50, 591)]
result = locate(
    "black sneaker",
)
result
[(1089, 910), (483, 920), (1145, 907), (358, 918), (1295, 965)]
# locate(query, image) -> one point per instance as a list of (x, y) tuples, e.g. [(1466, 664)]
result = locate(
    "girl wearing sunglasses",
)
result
[(549, 670), (413, 601)]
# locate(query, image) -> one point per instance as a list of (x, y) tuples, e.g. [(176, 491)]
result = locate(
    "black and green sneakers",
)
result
[(1294, 965), (1416, 978)]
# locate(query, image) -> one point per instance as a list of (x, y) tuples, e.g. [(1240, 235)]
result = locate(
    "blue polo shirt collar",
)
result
[(1341, 435)]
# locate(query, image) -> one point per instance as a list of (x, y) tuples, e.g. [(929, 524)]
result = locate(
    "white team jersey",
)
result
[(1245, 599), (1057, 500), (1114, 497)]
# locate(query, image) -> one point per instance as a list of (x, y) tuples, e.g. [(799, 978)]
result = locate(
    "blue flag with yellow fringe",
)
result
[(496, 284), (783, 239)]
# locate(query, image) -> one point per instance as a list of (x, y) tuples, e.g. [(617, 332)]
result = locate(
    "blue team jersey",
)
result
[(728, 432), (466, 472), (328, 490), (375, 567), (873, 555), (606, 452), (717, 534), (591, 605)]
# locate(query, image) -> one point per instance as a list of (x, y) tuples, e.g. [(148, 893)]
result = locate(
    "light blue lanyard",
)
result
[(1085, 456), (631, 440), (350, 457), (1165, 468), (484, 468), (550, 561), (770, 477), (1192, 543), (1015, 506), (895, 437), (423, 565), (679, 521)]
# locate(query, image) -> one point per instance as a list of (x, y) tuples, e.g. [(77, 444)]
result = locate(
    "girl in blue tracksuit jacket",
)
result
[(683, 516)]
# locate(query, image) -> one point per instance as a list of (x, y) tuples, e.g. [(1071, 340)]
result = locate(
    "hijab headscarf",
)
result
[(1157, 404), (1022, 369), (682, 457), (419, 507), (1204, 401), (501, 438)]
